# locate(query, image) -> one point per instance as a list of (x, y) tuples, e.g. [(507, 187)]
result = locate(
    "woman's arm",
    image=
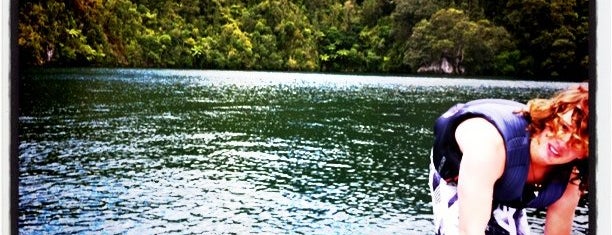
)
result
[(482, 164), (560, 215)]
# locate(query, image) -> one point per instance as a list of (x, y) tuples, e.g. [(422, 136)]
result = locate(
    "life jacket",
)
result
[(509, 189)]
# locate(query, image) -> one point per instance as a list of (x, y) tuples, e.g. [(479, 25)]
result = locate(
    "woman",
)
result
[(493, 158)]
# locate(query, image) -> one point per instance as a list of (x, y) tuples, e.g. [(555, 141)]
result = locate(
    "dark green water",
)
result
[(209, 152)]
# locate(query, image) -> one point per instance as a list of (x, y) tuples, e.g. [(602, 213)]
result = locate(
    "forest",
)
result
[(519, 39)]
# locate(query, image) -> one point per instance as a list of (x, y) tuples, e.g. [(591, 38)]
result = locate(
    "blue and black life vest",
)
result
[(510, 188)]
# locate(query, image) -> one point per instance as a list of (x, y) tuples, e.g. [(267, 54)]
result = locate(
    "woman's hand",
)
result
[(483, 162)]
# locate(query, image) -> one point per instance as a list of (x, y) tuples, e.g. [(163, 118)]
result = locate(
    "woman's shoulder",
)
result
[(478, 128), (479, 135)]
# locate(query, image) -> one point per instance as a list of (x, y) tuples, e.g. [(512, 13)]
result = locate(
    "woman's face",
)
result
[(549, 148)]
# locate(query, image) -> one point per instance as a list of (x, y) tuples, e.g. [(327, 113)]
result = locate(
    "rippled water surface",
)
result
[(209, 152)]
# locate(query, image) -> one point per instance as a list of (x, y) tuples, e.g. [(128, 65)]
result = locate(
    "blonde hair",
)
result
[(548, 113)]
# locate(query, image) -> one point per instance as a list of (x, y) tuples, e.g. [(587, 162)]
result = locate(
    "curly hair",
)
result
[(547, 113)]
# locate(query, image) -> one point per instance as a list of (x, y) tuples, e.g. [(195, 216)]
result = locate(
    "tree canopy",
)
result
[(527, 39)]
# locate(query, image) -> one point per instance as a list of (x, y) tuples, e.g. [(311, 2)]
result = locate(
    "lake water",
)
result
[(120, 151)]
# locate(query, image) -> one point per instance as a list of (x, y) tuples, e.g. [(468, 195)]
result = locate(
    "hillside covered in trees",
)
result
[(535, 39)]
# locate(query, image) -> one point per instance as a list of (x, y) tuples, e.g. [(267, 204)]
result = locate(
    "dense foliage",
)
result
[(545, 40)]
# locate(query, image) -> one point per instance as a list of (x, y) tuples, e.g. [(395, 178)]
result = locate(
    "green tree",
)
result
[(286, 27), (552, 37), (58, 32), (451, 43), (374, 10), (400, 36)]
